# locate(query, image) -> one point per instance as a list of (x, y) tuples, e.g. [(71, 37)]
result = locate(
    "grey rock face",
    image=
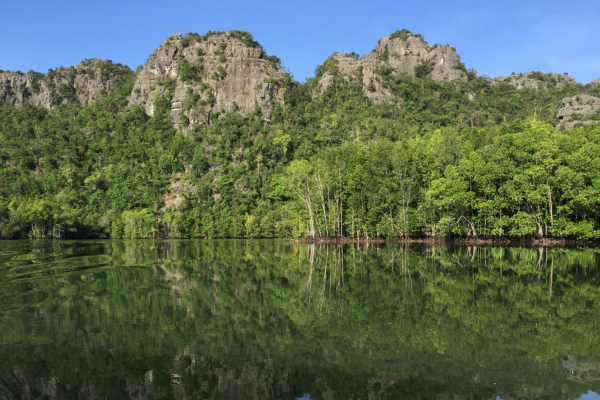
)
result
[(535, 80), (596, 82), (394, 54), (580, 104), (226, 74), (577, 109), (83, 83), (16, 88)]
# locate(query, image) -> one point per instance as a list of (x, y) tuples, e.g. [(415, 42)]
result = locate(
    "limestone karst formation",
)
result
[(201, 76)]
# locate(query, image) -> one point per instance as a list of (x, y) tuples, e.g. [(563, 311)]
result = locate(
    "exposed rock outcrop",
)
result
[(596, 82), (580, 104), (535, 80), (578, 109), (202, 74), (400, 53), (83, 83)]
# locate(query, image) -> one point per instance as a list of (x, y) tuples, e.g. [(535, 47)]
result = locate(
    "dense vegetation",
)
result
[(449, 160), (276, 319)]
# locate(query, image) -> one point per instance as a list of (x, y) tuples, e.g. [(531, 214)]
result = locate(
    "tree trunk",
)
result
[(550, 204)]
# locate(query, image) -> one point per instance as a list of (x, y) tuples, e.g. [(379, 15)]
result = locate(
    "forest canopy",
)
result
[(448, 159)]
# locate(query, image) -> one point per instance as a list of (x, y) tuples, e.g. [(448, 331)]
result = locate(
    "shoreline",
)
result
[(503, 241)]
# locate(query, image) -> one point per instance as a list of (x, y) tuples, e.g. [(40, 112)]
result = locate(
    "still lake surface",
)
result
[(259, 319)]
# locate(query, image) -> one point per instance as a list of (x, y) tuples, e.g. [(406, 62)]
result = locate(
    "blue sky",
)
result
[(495, 37)]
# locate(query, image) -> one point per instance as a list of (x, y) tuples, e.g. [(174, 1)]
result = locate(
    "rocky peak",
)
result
[(596, 82), (535, 80), (400, 53), (203, 74), (82, 83)]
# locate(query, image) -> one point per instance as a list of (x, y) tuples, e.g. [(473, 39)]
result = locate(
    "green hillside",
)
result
[(443, 159)]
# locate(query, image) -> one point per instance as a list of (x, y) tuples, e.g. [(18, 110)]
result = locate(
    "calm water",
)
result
[(279, 320)]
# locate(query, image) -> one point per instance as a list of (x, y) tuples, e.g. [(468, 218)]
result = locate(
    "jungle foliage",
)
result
[(446, 160)]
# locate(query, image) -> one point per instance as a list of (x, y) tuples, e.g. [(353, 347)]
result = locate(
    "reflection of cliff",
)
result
[(198, 380), (201, 381), (581, 370), (17, 385), (190, 378)]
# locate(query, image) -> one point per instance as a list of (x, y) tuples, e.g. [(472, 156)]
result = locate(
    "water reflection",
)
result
[(274, 320), (590, 396)]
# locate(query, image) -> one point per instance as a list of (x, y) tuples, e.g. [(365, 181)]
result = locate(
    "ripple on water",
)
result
[(22, 260), (267, 319)]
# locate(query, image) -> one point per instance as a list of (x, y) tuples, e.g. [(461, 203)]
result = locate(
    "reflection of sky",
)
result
[(590, 396), (587, 396)]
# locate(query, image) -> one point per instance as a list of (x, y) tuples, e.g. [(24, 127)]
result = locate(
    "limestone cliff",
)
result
[(400, 53), (582, 109), (535, 80), (82, 83), (203, 74)]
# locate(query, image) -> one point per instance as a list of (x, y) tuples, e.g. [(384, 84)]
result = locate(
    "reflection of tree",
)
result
[(271, 319)]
